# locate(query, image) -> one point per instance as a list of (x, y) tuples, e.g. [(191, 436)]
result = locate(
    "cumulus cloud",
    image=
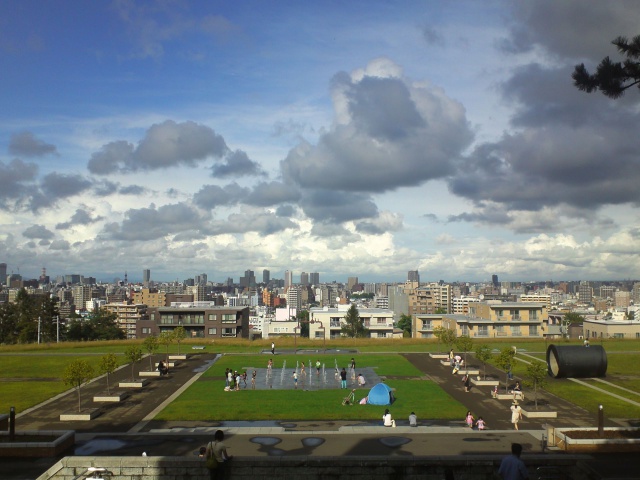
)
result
[(154, 223), (26, 144), (237, 164), (336, 206), (388, 133), (58, 185), (164, 145), (16, 181), (38, 231), (261, 222), (212, 196), (383, 223), (80, 217), (265, 194)]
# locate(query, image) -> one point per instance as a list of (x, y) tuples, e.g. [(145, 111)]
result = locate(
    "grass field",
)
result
[(27, 381)]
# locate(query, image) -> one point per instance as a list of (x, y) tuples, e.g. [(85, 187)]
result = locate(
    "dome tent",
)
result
[(380, 394)]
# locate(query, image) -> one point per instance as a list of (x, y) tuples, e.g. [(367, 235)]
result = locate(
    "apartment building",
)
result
[(488, 320), (327, 322), (150, 297), (200, 320), (128, 316)]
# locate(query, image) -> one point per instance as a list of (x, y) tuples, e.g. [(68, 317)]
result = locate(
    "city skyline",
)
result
[(366, 138)]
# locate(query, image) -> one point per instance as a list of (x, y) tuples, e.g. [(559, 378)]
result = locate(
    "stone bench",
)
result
[(439, 356), (198, 347), (134, 383), (509, 396), (490, 383), (149, 374), (178, 357), (470, 371)]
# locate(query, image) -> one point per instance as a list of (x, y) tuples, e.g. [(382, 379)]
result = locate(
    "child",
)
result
[(253, 380), (480, 424), (469, 419), (295, 379), (494, 392)]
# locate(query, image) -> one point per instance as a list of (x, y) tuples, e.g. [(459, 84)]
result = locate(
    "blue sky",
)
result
[(348, 138)]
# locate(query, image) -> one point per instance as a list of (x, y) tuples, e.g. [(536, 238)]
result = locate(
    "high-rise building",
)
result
[(314, 278), (304, 278), (352, 282), (585, 292), (3, 273), (294, 298), (494, 280), (266, 276), (413, 276), (146, 276), (249, 279), (201, 279), (288, 279)]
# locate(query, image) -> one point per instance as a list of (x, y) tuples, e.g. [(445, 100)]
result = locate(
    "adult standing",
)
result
[(343, 378), (216, 456), (516, 414), (511, 467), (273, 348)]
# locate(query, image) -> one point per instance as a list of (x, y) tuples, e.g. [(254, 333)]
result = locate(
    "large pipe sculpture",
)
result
[(564, 361)]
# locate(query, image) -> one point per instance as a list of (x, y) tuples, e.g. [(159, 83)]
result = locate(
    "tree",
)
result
[(151, 346), (108, 364), (179, 334), (612, 78), (303, 318), (166, 339), (405, 323), (483, 353), (464, 343), (353, 326), (568, 319), (105, 325), (76, 374), (537, 376), (8, 323), (444, 335), (505, 361), (133, 354)]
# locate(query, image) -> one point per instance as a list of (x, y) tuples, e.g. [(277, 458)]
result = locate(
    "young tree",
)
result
[(76, 374), (464, 344), (133, 354), (108, 364), (405, 324), (505, 361), (303, 318), (446, 336), (537, 376), (151, 346), (179, 334), (353, 326), (483, 354), (612, 78), (166, 339)]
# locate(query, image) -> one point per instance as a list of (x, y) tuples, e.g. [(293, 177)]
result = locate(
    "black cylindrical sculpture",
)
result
[(564, 361)]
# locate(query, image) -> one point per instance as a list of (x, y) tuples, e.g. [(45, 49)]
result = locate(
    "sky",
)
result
[(360, 138)]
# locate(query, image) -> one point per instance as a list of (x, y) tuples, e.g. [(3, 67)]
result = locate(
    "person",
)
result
[(451, 359), (469, 419), (387, 420), (253, 380), (517, 391), (353, 363), (511, 467), (494, 392), (480, 423), (456, 368), (244, 378), (295, 379), (218, 450), (586, 342), (230, 378), (413, 420), (269, 366), (466, 382), (302, 372), (516, 414), (361, 380), (237, 380), (343, 378), (162, 368), (318, 367), (226, 378), (273, 348)]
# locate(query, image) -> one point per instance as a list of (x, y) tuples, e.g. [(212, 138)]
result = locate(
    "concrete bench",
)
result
[(150, 374), (198, 347), (170, 364)]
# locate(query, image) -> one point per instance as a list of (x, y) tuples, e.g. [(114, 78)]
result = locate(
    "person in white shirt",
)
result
[(413, 420), (387, 420)]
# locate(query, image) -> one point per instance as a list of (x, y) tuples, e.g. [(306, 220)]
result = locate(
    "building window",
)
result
[(212, 317), (228, 332), (533, 315), (500, 313), (515, 315), (146, 330), (381, 321), (152, 317), (426, 325), (213, 331), (319, 334), (515, 331), (228, 318), (382, 334), (483, 331), (618, 335), (533, 330), (500, 330)]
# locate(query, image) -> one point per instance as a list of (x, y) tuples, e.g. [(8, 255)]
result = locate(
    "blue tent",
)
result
[(380, 394)]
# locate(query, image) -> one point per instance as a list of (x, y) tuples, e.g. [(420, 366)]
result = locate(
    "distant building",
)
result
[(266, 276), (351, 283), (314, 278), (413, 276), (146, 277), (378, 321), (304, 279), (3, 273), (200, 321), (129, 316), (288, 279)]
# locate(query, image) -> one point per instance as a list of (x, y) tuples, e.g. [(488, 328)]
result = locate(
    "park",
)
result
[(192, 400)]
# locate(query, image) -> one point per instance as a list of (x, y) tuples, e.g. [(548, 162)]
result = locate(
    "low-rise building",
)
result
[(327, 322)]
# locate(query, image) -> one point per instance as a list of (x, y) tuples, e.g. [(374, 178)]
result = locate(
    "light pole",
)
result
[(39, 323)]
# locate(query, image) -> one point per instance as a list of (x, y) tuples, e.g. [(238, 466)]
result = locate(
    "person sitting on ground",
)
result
[(361, 380), (387, 420), (413, 420), (162, 368)]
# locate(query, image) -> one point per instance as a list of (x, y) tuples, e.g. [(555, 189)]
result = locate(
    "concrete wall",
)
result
[(310, 468)]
